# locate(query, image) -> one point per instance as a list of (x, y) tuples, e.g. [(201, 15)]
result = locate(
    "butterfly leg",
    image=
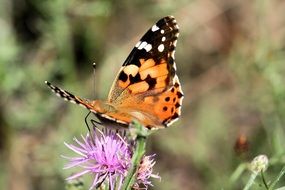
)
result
[(90, 132), (94, 126), (93, 122), (86, 122)]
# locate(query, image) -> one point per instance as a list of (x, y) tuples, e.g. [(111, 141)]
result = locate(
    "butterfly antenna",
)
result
[(94, 81), (94, 95)]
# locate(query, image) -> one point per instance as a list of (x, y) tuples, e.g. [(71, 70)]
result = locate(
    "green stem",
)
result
[(282, 172), (237, 173), (264, 181), (250, 181), (137, 156)]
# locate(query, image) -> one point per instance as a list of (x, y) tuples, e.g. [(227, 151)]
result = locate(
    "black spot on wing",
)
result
[(150, 81), (176, 85), (171, 48), (171, 71), (177, 105), (174, 116), (170, 60), (123, 76), (179, 94), (135, 79)]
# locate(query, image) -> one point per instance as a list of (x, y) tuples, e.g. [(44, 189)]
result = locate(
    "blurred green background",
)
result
[(231, 63)]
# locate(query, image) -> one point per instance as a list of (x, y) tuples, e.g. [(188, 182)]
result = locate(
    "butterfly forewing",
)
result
[(150, 64), (147, 81)]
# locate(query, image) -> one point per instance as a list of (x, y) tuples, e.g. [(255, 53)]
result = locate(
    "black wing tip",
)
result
[(168, 20), (169, 16)]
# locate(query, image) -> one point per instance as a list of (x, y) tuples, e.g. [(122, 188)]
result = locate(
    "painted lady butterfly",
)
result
[(146, 88)]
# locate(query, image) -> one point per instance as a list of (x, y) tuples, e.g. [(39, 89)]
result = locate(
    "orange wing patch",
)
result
[(149, 76), (139, 87), (155, 71), (146, 64)]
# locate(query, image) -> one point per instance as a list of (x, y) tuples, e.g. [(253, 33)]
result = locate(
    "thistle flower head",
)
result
[(145, 172), (107, 156)]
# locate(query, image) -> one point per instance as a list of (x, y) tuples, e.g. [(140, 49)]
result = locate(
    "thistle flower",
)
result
[(145, 173), (107, 156)]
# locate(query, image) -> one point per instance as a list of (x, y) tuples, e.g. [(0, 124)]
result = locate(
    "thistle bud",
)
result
[(259, 164)]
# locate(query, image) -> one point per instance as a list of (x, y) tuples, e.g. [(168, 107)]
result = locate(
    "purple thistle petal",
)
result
[(74, 163), (78, 175), (75, 149)]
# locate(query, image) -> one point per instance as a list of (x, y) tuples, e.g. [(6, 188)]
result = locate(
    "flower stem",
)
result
[(282, 172), (250, 181), (263, 180), (237, 173), (137, 156)]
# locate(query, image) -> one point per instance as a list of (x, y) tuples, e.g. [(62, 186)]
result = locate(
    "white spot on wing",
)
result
[(163, 38), (142, 45), (162, 31), (72, 101), (175, 79), (131, 69), (160, 48), (138, 44), (154, 28), (174, 66), (172, 54), (148, 47)]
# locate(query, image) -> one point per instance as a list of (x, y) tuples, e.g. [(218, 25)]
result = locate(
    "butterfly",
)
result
[(146, 87)]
